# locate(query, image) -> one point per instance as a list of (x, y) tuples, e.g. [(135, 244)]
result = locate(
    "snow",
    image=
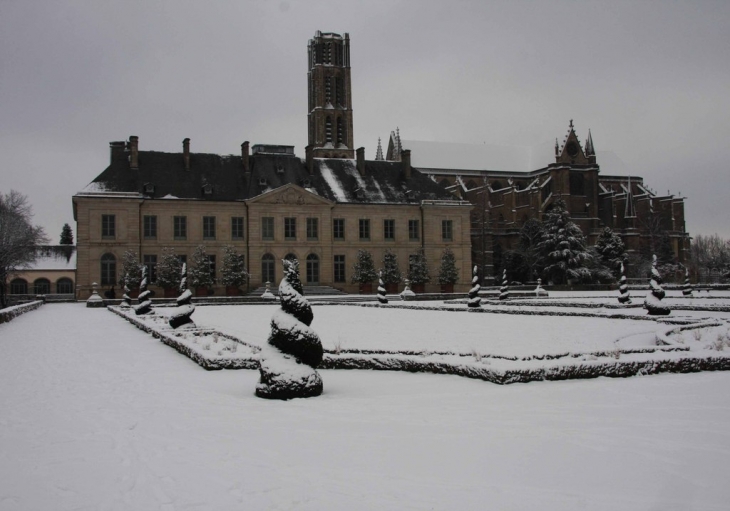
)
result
[(332, 182), (99, 415)]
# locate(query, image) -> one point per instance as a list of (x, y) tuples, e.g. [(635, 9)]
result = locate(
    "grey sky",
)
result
[(650, 79)]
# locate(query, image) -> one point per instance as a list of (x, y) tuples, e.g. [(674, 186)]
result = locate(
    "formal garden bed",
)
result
[(10, 313)]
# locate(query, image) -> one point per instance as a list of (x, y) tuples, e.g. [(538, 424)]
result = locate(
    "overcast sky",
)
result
[(650, 79)]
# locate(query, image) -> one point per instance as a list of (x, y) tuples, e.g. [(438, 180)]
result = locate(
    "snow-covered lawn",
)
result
[(99, 415)]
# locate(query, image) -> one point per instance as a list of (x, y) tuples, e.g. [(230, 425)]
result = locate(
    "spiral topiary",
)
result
[(381, 289), (144, 298), (623, 287), (653, 302), (181, 315), (504, 290), (687, 287), (287, 365), (474, 299), (126, 300)]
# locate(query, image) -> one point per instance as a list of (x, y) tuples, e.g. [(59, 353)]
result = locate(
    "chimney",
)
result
[(133, 152), (360, 152), (310, 159), (116, 151), (244, 157), (186, 153), (405, 160)]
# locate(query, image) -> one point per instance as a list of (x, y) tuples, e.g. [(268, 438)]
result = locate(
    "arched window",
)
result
[(312, 269), (18, 287), (328, 129), (577, 184), (340, 132), (108, 270), (470, 185), (267, 269), (42, 286), (64, 286), (500, 221), (496, 185)]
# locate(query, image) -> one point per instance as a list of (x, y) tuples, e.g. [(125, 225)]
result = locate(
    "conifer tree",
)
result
[(448, 272), (131, 269), (363, 271), (623, 287), (381, 289), (390, 274), (67, 235), (418, 268), (653, 301), (199, 271), (611, 249), (233, 271), (563, 247), (474, 299), (168, 269), (504, 290)]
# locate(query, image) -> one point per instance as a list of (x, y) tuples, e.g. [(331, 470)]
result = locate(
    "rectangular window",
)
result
[(290, 228), (208, 227), (447, 230), (312, 228), (150, 261), (180, 227), (364, 229), (389, 230), (150, 227), (237, 227), (338, 228), (183, 258), (267, 228), (108, 226), (211, 263), (340, 268), (414, 233)]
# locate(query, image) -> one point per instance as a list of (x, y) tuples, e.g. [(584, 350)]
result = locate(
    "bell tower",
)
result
[(330, 97)]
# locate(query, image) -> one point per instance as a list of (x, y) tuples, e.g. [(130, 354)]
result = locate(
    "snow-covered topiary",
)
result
[(390, 274), (126, 299), (233, 271), (653, 302), (363, 272), (381, 289), (288, 364), (181, 315), (623, 287), (168, 269), (448, 272), (611, 249), (199, 272), (474, 299), (131, 269), (687, 287), (418, 268), (144, 298), (504, 290)]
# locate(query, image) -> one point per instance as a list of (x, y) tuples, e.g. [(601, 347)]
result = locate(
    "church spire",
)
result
[(630, 211), (379, 152), (590, 151)]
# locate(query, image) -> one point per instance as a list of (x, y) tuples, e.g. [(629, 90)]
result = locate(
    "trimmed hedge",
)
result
[(10, 313)]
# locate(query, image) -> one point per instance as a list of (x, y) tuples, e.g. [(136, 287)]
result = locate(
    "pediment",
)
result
[(291, 194), (572, 151)]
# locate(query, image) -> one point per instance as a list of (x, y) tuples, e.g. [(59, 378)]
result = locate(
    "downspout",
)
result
[(247, 237)]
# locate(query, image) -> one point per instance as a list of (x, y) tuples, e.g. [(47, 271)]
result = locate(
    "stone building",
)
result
[(509, 185), (270, 204)]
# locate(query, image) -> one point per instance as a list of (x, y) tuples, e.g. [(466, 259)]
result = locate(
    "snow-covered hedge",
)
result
[(10, 313)]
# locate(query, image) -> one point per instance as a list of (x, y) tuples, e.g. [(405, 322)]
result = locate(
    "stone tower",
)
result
[(330, 97)]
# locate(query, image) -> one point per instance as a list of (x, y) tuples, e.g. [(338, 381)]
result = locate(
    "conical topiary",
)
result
[(381, 289), (653, 302), (474, 299), (687, 287), (144, 298), (287, 365), (623, 287), (181, 315), (504, 290)]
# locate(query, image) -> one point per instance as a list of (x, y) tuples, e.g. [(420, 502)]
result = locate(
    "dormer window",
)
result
[(359, 193), (279, 169), (306, 183), (262, 181), (149, 188), (207, 189), (410, 195)]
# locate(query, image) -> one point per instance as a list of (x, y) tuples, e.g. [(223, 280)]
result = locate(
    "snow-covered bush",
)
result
[(168, 269), (288, 365), (611, 249), (390, 274), (563, 247), (181, 315), (381, 289), (131, 269), (448, 272), (504, 290), (363, 272), (623, 287), (199, 271), (653, 302), (474, 299), (418, 268), (144, 298), (233, 271)]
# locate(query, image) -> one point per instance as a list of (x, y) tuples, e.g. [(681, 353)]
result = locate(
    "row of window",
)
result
[(180, 228), (41, 286)]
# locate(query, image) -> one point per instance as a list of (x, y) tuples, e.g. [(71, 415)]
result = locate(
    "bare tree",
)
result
[(710, 253), (19, 239)]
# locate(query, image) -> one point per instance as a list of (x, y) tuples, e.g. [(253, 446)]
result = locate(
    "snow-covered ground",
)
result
[(99, 415)]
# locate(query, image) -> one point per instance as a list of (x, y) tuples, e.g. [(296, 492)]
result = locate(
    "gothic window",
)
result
[(470, 185), (496, 185), (108, 270), (340, 131), (328, 129), (340, 92), (328, 89), (577, 184)]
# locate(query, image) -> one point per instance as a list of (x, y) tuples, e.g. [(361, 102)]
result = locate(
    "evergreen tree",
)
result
[(611, 249), (381, 289), (199, 271), (390, 274), (418, 268), (563, 252), (504, 290), (233, 271), (67, 235), (168, 269), (363, 271), (131, 269), (448, 272), (474, 299), (653, 302)]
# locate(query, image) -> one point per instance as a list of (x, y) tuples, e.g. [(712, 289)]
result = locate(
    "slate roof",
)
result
[(335, 179)]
